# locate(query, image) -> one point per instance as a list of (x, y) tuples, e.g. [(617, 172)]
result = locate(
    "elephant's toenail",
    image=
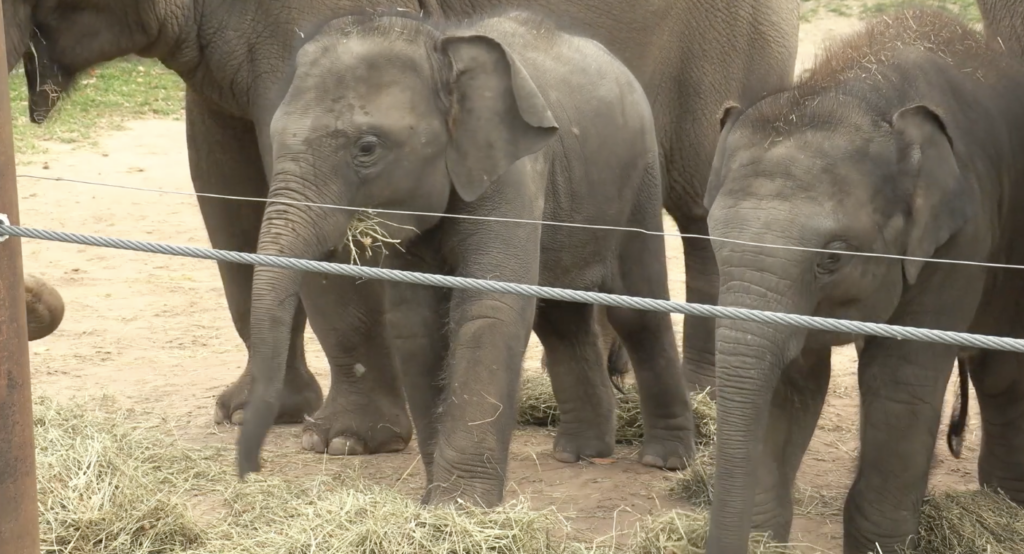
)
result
[(345, 446), (566, 457), (359, 370), (652, 461), (238, 417), (310, 441), (218, 415)]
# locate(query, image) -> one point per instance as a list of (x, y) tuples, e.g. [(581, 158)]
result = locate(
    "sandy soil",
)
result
[(155, 331)]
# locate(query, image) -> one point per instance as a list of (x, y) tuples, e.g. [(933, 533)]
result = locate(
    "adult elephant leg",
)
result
[(582, 390), (998, 379), (650, 342), (701, 288), (224, 159), (795, 409), (419, 342), (364, 412), (902, 387)]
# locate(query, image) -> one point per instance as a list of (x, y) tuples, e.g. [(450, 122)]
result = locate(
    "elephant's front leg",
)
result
[(795, 409), (478, 414), (364, 412), (902, 385), (224, 158), (418, 337)]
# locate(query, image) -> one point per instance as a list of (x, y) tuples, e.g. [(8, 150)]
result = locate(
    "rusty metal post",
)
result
[(19, 510)]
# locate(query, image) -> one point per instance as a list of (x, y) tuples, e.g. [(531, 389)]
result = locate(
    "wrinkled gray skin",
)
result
[(691, 56), (398, 113), (912, 156), (44, 307), (1003, 21)]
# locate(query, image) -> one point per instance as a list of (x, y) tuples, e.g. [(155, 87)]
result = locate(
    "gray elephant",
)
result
[(1003, 21), (691, 56), (395, 112), (44, 307), (904, 139)]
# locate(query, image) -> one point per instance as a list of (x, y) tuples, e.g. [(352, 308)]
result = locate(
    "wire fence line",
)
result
[(512, 220), (536, 291)]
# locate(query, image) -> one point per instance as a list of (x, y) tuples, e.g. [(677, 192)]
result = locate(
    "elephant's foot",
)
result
[(479, 487), (571, 447), (351, 426), (300, 397), (1002, 468), (868, 527), (668, 449)]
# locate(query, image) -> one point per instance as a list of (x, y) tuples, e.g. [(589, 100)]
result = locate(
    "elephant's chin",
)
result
[(44, 307)]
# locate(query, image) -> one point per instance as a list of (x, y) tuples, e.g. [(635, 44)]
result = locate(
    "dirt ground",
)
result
[(155, 331)]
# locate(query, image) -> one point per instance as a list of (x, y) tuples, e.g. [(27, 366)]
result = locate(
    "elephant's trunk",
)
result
[(750, 358), (291, 231)]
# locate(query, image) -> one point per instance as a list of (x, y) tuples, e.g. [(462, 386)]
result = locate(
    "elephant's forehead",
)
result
[(338, 59), (362, 79)]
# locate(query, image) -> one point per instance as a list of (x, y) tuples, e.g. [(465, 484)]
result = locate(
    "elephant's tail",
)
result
[(618, 364), (958, 415)]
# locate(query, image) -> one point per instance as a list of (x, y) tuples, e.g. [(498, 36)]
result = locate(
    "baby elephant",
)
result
[(44, 307), (905, 139), (505, 117)]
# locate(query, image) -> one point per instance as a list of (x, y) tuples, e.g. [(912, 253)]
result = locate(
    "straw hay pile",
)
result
[(537, 407), (109, 484)]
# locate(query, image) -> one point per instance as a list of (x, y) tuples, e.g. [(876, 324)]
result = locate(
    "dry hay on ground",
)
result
[(537, 407), (971, 522), (111, 485), (965, 522), (108, 485)]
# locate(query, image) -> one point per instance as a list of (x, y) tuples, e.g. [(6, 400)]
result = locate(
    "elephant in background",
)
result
[(691, 56), (417, 116), (1003, 21), (917, 155), (614, 354), (44, 307)]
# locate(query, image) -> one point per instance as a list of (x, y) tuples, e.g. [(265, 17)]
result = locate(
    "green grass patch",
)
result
[(102, 100), (810, 9)]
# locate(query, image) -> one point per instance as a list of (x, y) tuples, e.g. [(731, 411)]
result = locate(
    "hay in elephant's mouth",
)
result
[(537, 407), (366, 235)]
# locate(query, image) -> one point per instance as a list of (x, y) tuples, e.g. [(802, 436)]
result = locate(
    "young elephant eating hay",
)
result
[(395, 112), (904, 139)]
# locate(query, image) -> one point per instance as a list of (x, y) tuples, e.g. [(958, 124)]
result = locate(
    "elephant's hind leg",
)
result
[(579, 379), (224, 159), (998, 379), (650, 342)]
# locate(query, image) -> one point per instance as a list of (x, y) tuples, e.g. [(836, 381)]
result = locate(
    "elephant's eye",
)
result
[(366, 149), (829, 262)]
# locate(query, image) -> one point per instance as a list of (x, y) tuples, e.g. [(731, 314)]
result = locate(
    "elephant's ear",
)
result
[(940, 200), (497, 116), (730, 113)]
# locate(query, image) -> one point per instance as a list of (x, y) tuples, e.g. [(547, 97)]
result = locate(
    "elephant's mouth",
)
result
[(46, 80)]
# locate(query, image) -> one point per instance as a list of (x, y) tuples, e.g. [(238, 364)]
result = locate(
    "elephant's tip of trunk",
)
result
[(259, 417)]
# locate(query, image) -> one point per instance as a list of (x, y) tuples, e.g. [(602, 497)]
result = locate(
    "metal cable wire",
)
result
[(568, 295), (512, 220)]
